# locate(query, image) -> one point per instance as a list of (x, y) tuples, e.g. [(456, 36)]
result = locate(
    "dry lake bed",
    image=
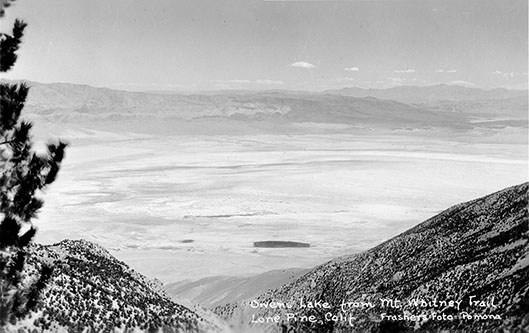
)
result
[(189, 206)]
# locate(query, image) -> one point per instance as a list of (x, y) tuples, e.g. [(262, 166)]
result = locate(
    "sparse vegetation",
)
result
[(90, 288)]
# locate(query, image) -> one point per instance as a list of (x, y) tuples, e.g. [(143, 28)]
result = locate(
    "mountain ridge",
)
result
[(71, 102), (431, 94)]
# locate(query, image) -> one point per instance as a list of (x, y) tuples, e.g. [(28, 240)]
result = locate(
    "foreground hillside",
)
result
[(90, 289), (475, 251)]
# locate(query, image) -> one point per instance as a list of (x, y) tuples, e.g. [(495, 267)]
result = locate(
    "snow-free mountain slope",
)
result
[(478, 248), (90, 289)]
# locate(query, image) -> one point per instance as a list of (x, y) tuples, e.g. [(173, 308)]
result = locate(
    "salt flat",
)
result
[(189, 206)]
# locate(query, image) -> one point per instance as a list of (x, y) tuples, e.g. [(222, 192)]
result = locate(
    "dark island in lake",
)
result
[(276, 244)]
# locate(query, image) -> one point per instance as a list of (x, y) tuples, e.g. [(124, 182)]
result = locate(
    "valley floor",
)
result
[(181, 207)]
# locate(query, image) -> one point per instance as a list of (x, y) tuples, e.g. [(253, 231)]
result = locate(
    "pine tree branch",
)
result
[(6, 142)]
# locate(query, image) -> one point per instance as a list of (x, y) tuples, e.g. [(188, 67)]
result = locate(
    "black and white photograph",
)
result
[(264, 166)]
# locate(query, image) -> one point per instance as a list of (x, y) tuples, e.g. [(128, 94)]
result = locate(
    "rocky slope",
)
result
[(474, 251), (90, 289)]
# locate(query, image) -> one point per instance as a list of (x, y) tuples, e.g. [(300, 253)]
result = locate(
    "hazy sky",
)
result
[(315, 45)]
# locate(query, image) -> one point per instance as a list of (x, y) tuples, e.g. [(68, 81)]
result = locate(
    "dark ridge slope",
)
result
[(478, 248), (91, 290)]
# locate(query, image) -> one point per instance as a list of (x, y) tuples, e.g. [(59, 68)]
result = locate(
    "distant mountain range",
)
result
[(432, 94), (474, 251), (448, 106), (91, 290), (69, 102)]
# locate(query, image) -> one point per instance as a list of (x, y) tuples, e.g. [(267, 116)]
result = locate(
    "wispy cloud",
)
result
[(269, 82), (446, 71), (461, 83), (233, 81), (407, 70), (395, 79), (506, 75), (245, 84), (352, 69), (302, 64), (150, 86)]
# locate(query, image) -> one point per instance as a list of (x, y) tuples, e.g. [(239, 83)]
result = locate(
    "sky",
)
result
[(254, 44)]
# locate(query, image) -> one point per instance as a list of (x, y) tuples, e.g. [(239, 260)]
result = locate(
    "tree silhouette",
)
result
[(23, 173)]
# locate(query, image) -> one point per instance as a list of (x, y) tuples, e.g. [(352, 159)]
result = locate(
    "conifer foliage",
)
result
[(23, 173)]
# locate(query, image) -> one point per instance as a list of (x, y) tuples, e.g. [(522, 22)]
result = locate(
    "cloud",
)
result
[(127, 86), (395, 79), (269, 82), (352, 69), (302, 64), (234, 81), (391, 82), (445, 71), (461, 83), (507, 75), (340, 80), (405, 70), (244, 83)]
